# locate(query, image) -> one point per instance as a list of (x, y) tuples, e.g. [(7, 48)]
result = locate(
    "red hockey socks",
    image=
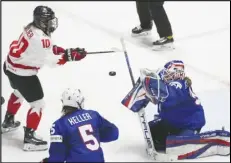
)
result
[(34, 116), (14, 104)]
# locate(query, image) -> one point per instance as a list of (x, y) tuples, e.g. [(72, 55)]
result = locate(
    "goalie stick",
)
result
[(142, 116)]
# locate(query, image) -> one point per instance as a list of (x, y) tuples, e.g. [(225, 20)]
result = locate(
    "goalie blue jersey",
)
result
[(76, 137), (180, 108)]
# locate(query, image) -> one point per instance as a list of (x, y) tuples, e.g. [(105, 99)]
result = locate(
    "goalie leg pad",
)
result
[(200, 145)]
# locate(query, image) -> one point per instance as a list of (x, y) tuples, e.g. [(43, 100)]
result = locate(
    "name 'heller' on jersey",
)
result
[(79, 118)]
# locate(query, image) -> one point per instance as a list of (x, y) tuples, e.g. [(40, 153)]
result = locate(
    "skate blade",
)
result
[(146, 33), (6, 130), (166, 47), (31, 147)]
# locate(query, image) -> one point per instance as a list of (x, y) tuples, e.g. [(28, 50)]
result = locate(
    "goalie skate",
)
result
[(9, 124), (32, 142)]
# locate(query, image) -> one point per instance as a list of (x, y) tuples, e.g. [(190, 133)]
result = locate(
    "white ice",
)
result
[(202, 34)]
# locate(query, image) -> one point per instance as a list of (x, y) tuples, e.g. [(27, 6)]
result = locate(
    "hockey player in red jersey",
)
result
[(26, 57)]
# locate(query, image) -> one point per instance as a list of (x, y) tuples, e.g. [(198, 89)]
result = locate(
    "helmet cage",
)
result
[(173, 72)]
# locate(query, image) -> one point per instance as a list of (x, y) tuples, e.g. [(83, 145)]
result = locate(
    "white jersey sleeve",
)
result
[(30, 52)]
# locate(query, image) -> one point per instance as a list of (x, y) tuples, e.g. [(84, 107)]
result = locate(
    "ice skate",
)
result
[(33, 142), (164, 43), (9, 124), (139, 31)]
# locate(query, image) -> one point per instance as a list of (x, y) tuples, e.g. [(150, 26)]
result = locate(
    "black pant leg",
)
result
[(159, 133), (144, 14), (9, 77), (29, 86), (160, 19)]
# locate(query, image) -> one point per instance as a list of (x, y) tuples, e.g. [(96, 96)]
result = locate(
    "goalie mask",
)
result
[(72, 98), (173, 70)]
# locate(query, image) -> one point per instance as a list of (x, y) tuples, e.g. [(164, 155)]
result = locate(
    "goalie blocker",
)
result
[(180, 139)]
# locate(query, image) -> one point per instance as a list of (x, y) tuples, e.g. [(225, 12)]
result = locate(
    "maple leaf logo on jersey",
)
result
[(176, 84)]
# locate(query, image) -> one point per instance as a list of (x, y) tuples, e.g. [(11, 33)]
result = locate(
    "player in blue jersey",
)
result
[(180, 114), (76, 136)]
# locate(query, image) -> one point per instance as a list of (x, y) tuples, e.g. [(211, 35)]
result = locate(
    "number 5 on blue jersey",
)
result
[(80, 139)]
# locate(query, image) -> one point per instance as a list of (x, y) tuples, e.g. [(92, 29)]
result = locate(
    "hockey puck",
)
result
[(112, 73)]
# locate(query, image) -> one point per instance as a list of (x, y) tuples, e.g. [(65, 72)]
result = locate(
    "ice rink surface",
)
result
[(202, 40)]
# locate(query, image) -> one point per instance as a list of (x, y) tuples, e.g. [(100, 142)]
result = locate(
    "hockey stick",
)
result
[(113, 50), (142, 117)]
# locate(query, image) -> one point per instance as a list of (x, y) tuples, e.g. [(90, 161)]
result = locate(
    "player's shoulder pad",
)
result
[(94, 113), (179, 84), (91, 111), (59, 123)]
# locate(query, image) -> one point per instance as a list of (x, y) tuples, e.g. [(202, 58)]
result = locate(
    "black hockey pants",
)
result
[(152, 10)]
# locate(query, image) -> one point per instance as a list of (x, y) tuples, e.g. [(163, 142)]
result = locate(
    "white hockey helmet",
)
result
[(73, 98)]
